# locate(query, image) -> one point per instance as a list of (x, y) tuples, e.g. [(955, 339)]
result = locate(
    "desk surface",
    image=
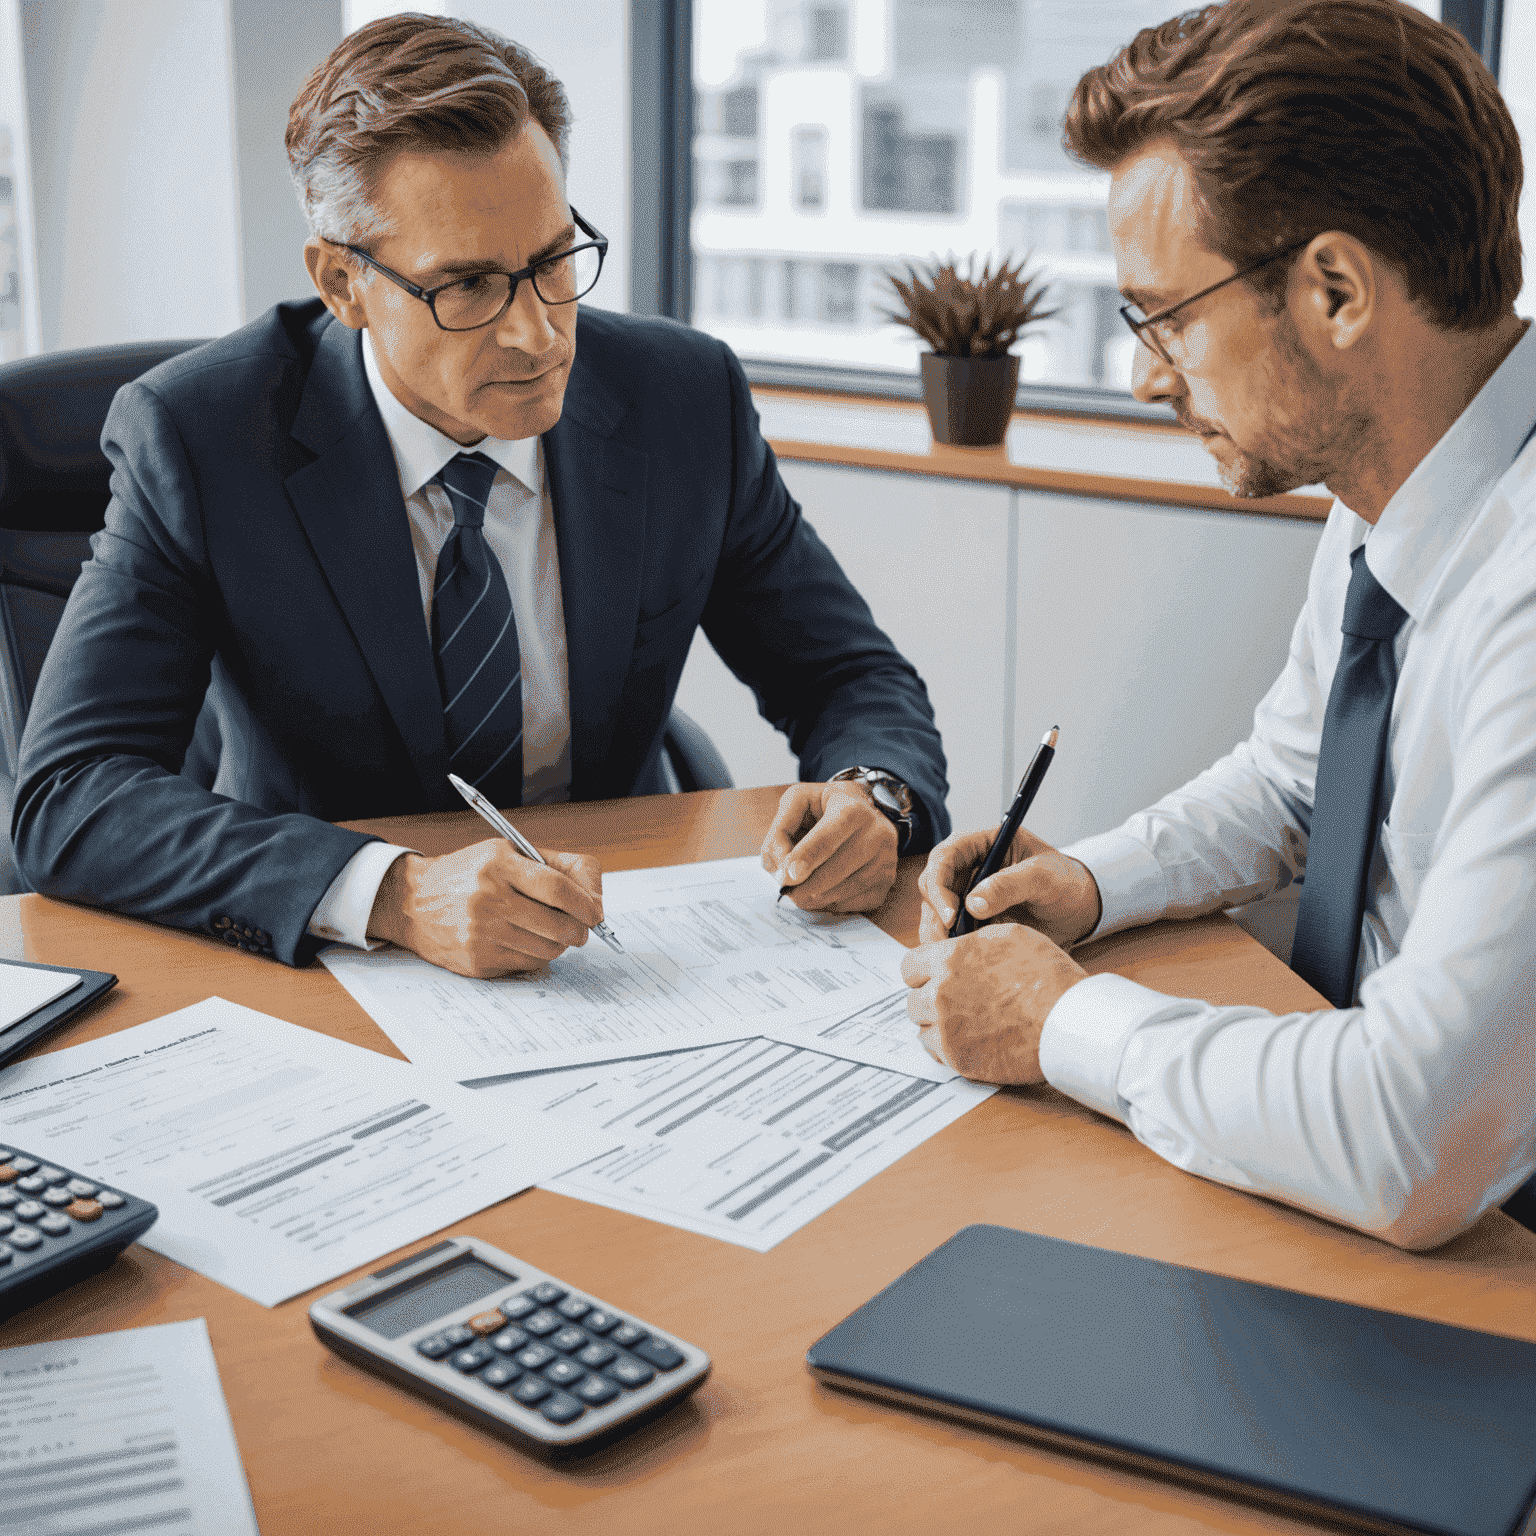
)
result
[(761, 1446)]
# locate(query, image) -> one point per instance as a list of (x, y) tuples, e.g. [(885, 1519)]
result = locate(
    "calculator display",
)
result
[(457, 1284)]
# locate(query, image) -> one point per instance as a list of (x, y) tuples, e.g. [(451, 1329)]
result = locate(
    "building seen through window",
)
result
[(833, 141)]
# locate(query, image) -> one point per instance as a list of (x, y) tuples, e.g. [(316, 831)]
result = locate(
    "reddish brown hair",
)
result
[(409, 81), (1300, 116)]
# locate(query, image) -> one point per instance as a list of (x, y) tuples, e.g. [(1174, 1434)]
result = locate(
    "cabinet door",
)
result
[(931, 558), (1148, 634)]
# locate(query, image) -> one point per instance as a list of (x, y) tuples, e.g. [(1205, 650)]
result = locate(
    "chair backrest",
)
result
[(53, 495), (694, 760)]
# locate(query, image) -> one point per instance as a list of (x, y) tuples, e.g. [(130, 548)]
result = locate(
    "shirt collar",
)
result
[(1422, 525), (421, 450)]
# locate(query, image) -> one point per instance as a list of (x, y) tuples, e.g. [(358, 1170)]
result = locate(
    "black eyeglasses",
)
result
[(1144, 328), (481, 298)]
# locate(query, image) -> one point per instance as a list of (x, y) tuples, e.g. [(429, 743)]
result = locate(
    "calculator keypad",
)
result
[(531, 1348), (597, 1390), (51, 1199)]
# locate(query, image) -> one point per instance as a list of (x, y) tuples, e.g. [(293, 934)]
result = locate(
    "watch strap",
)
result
[(901, 814)]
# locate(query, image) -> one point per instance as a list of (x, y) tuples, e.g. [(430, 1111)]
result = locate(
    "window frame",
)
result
[(661, 199)]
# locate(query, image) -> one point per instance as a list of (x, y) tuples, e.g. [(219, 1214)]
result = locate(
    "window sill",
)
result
[(1070, 455)]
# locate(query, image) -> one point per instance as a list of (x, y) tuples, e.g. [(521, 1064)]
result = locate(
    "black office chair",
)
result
[(53, 495), (689, 758)]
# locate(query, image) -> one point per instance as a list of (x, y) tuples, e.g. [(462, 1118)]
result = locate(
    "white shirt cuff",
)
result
[(344, 910), (1131, 886), (1085, 1036)]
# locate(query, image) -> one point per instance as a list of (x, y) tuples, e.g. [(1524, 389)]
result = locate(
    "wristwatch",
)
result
[(892, 798)]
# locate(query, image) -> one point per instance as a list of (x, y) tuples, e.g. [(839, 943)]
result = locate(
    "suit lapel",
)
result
[(350, 504), (598, 490)]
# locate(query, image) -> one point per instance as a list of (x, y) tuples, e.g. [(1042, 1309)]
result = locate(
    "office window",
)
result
[(1517, 80), (833, 142), (808, 168), (827, 33)]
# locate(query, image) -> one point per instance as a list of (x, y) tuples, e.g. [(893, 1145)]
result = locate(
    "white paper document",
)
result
[(119, 1432), (279, 1158), (746, 1141), (880, 1034), (24, 990), (709, 955)]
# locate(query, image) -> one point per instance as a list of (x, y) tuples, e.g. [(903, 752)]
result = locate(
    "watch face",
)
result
[(885, 798)]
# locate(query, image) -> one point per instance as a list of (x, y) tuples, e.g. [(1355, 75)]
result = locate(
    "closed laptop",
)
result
[(1386, 1422)]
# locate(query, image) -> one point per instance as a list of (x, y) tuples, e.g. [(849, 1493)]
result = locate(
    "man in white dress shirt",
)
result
[(1313, 209)]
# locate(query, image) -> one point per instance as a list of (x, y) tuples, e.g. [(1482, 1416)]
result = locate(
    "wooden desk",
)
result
[(761, 1447)]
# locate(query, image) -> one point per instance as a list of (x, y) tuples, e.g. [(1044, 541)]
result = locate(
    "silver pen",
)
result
[(488, 813)]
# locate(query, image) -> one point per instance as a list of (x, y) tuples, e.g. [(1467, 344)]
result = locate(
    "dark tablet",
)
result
[(50, 1016), (1383, 1422)]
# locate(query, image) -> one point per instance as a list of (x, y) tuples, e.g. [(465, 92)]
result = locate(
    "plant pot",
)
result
[(969, 399)]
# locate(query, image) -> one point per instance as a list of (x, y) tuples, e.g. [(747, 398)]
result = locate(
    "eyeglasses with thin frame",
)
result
[(458, 305), (1144, 328)]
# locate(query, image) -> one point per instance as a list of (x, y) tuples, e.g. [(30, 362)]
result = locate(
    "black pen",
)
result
[(1029, 787)]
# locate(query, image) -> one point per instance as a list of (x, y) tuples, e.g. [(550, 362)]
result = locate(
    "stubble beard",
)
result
[(1312, 434)]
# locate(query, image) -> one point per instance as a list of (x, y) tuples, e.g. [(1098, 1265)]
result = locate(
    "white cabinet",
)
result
[(1148, 634), (931, 558)]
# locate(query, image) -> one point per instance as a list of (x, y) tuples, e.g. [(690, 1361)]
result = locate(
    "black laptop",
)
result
[(1378, 1421)]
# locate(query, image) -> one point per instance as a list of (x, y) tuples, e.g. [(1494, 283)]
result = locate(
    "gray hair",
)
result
[(409, 81)]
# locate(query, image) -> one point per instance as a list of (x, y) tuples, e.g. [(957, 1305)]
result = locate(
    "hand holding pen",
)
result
[(1029, 787), (1028, 881), (489, 814)]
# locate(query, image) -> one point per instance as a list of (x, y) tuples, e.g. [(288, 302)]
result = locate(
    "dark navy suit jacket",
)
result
[(244, 659)]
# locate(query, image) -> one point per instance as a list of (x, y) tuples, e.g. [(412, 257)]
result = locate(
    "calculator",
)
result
[(509, 1347), (57, 1228)]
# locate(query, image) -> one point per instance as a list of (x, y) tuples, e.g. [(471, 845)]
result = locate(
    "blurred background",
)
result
[(796, 151)]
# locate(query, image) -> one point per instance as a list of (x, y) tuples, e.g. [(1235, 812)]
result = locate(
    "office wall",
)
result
[(1148, 633), (162, 205), (274, 45), (132, 141)]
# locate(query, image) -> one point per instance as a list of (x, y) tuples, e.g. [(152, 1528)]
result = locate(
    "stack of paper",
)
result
[(710, 954), (120, 1432), (279, 1158)]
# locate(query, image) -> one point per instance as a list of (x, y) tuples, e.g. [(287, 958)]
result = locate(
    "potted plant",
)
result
[(970, 320)]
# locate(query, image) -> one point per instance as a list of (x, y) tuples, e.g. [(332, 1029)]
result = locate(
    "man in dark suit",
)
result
[(441, 520)]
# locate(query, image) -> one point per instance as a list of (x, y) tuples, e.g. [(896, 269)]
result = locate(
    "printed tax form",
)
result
[(710, 954), (279, 1158), (746, 1141), (119, 1432)]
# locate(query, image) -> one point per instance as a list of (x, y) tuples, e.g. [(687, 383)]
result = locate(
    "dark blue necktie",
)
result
[(1345, 809), (474, 643)]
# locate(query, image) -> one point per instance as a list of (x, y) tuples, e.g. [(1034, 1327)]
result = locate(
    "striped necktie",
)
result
[(1346, 809), (474, 643)]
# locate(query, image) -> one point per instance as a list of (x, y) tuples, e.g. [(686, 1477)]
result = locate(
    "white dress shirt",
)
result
[(520, 530), (1412, 1112)]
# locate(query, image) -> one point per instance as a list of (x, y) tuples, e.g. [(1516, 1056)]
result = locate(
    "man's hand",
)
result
[(486, 910), (1036, 886), (831, 843), (980, 1001)]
